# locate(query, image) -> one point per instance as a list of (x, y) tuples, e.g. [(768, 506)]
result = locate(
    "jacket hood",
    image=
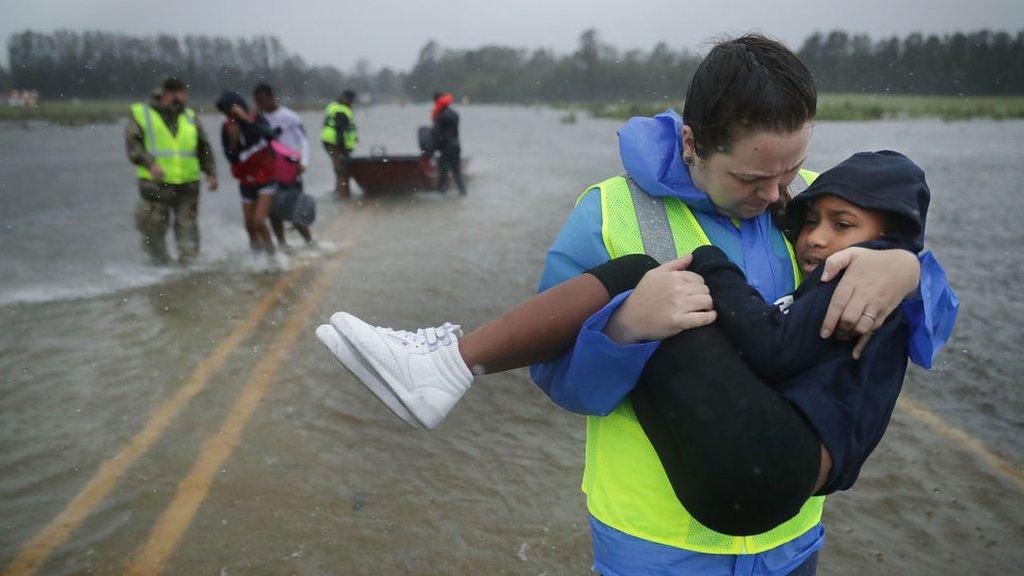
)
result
[(229, 98), (651, 153), (443, 101), (885, 181)]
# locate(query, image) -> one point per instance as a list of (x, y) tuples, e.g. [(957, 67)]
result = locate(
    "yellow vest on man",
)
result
[(176, 154), (329, 134), (625, 483)]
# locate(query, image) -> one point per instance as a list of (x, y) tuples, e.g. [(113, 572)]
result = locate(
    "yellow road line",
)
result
[(965, 440), (34, 552), (153, 555)]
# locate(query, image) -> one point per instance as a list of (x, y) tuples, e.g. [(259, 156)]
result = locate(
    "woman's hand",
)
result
[(875, 283), (668, 300), (238, 113)]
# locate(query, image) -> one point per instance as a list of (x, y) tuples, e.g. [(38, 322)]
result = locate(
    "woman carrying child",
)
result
[(707, 180)]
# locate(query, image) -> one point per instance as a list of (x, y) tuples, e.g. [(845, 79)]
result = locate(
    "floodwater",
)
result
[(188, 422)]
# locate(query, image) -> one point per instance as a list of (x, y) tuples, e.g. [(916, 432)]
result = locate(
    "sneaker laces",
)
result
[(429, 338)]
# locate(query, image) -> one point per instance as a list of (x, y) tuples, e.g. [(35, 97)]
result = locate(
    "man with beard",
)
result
[(169, 149)]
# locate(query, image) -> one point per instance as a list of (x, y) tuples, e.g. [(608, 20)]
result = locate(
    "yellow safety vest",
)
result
[(329, 134), (625, 483), (176, 154)]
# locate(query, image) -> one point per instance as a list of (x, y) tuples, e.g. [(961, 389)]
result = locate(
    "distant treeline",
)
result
[(105, 65), (66, 64), (979, 63), (594, 72)]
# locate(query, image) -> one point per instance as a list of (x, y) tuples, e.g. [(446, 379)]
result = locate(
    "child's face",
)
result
[(831, 225)]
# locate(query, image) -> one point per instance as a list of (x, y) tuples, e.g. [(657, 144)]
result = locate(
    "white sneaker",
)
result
[(423, 369), (351, 359)]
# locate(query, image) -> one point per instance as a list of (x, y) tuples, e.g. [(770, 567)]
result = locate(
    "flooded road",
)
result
[(189, 422)]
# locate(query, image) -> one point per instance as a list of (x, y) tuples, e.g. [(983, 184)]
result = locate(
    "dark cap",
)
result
[(348, 94), (173, 84), (885, 181)]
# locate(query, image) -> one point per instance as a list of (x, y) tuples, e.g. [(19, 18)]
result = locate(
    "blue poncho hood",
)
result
[(651, 152)]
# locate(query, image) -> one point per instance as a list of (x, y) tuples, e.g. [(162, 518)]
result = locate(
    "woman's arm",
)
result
[(255, 129), (597, 373), (667, 300), (229, 138)]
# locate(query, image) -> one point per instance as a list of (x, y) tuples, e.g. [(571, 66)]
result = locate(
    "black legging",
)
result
[(739, 456)]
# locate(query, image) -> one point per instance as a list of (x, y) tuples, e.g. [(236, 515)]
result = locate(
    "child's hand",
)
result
[(668, 300)]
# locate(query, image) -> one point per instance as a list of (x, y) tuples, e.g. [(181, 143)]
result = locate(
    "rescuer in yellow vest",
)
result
[(169, 149), (340, 137), (739, 145)]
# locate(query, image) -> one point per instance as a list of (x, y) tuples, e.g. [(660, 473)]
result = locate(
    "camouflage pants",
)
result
[(158, 204), (339, 161)]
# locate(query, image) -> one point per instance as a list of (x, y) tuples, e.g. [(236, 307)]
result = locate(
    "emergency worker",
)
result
[(169, 149), (715, 175), (446, 142), (340, 137)]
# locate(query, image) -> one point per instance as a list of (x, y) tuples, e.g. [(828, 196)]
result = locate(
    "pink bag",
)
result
[(286, 162)]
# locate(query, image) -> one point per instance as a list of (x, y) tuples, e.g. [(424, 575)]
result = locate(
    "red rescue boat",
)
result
[(378, 175), (382, 173)]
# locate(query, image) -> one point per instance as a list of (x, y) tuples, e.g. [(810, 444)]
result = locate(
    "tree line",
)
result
[(596, 71), (106, 65), (67, 64), (976, 63)]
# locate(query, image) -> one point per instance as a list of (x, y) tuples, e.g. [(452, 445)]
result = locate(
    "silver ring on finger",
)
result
[(869, 315)]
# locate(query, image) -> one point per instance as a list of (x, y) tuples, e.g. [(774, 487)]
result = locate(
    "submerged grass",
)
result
[(883, 106), (860, 107), (830, 107), (68, 113), (86, 112)]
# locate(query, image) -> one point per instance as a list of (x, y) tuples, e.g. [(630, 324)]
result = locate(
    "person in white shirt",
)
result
[(290, 132)]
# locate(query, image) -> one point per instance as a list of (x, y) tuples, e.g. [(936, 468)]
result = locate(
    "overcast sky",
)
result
[(390, 33)]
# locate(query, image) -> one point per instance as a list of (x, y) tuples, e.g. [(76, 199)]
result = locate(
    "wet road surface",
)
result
[(190, 423)]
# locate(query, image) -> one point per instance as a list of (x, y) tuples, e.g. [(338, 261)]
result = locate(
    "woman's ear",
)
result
[(689, 146)]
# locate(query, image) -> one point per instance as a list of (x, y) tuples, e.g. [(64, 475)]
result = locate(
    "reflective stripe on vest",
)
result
[(176, 154), (625, 483), (329, 134), (654, 219)]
